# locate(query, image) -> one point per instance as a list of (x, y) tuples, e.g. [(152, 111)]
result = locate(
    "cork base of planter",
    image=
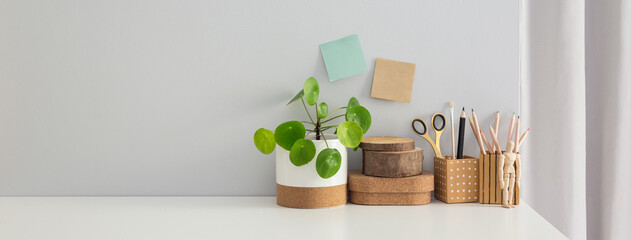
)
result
[(390, 198), (310, 197)]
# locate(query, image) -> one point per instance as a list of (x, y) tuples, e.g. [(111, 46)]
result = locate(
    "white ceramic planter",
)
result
[(302, 187)]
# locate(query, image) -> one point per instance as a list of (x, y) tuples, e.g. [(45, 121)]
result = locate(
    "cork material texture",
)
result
[(456, 180), (359, 182), (310, 197), (387, 143), (390, 198), (393, 164), (490, 189)]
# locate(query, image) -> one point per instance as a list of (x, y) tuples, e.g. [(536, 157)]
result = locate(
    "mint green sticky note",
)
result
[(343, 58)]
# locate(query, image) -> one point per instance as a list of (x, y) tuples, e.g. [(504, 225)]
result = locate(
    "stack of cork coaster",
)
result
[(369, 190), (392, 174)]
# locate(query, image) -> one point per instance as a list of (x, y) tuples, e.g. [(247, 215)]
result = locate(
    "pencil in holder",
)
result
[(490, 190), (456, 180)]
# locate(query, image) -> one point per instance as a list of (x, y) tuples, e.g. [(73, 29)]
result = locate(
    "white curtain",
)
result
[(608, 61), (576, 98)]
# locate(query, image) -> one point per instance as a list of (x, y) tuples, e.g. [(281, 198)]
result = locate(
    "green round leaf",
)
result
[(351, 103), (350, 134), (297, 97), (328, 163), (323, 110), (287, 133), (302, 152), (360, 115), (264, 140), (311, 90)]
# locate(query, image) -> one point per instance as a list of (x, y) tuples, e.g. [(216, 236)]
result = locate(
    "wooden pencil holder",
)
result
[(490, 190), (456, 180)]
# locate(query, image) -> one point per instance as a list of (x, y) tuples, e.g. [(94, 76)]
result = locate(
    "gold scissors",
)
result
[(437, 131)]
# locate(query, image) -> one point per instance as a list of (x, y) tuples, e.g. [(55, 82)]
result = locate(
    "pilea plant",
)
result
[(291, 135)]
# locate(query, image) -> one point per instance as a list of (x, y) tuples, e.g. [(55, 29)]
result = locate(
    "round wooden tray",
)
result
[(387, 143)]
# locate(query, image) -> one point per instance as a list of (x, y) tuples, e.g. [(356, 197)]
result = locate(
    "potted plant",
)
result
[(302, 182)]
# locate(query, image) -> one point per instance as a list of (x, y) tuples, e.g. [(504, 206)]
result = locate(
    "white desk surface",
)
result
[(93, 218)]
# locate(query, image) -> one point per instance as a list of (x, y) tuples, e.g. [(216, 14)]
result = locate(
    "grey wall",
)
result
[(162, 97)]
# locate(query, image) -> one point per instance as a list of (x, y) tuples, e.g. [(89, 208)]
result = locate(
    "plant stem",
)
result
[(327, 144), (308, 122), (315, 106), (341, 115), (324, 129), (331, 113), (305, 105), (317, 126)]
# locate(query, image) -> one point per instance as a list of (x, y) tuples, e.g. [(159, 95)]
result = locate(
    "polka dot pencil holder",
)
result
[(490, 189), (456, 180)]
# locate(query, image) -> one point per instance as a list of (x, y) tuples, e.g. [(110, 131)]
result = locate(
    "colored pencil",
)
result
[(497, 123), (477, 136), (494, 137), (510, 132), (521, 140), (491, 150), (516, 135), (475, 120)]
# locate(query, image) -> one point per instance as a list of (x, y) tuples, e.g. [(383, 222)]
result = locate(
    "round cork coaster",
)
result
[(310, 197), (387, 143), (359, 182), (393, 164), (390, 198)]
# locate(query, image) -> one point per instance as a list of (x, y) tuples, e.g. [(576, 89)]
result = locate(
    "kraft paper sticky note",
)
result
[(343, 58), (393, 80)]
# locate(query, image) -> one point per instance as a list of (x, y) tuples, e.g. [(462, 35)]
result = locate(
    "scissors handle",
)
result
[(442, 119), (425, 135), (422, 134), (438, 131)]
